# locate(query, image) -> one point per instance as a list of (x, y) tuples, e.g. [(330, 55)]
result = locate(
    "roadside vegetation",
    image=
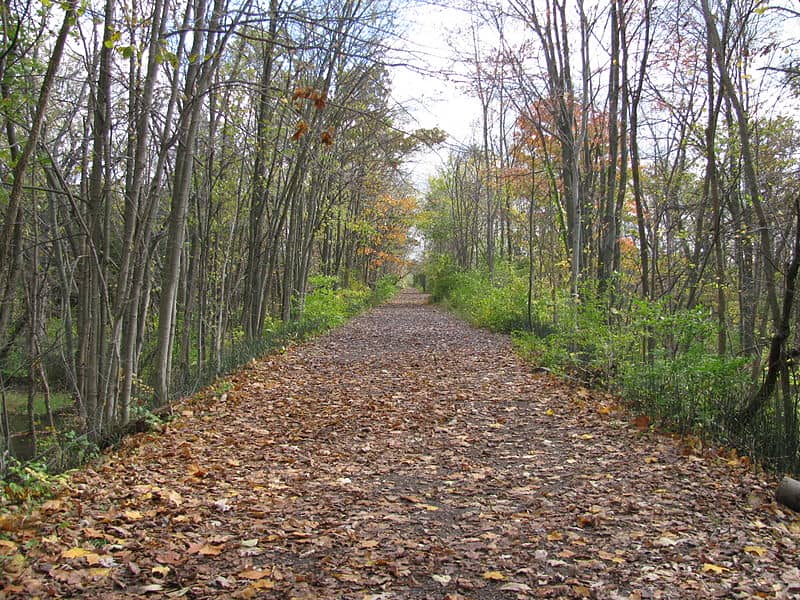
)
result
[(60, 445), (662, 363), (628, 206), (181, 193)]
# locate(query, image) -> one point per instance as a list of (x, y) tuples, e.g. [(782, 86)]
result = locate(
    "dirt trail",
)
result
[(406, 455)]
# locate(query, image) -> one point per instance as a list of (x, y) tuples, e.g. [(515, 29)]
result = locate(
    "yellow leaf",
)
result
[(14, 565), (99, 571), (132, 515), (711, 568), (555, 536), (494, 575), (550, 412), (651, 459), (7, 547), (587, 436), (75, 553), (160, 570), (758, 550)]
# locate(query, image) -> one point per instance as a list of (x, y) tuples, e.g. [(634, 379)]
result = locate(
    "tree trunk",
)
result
[(9, 247)]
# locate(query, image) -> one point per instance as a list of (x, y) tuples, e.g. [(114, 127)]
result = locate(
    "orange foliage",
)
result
[(389, 218), (300, 130), (306, 93)]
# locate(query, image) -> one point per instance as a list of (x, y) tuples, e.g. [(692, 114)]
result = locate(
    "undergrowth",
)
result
[(326, 306), (661, 362)]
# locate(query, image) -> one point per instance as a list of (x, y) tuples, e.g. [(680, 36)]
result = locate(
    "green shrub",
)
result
[(497, 302), (695, 391), (385, 288), (662, 361), (325, 307), (23, 482)]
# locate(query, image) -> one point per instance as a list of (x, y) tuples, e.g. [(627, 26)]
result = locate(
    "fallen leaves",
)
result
[(76, 553), (206, 549), (712, 568), (642, 422), (755, 550), (253, 574), (405, 455), (493, 575)]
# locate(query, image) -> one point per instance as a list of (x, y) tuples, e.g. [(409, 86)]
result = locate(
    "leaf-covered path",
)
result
[(406, 455)]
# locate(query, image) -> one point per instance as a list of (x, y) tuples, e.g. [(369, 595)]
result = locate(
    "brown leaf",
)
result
[(515, 587), (582, 591), (254, 574), (205, 549), (170, 497)]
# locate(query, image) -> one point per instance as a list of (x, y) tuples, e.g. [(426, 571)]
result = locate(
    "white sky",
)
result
[(424, 90)]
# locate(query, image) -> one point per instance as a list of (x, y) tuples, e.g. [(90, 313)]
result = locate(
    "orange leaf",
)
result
[(253, 574), (300, 130), (319, 100), (206, 549)]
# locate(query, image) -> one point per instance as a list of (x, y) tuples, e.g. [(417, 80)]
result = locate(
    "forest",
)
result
[(186, 185), (629, 206), (189, 184)]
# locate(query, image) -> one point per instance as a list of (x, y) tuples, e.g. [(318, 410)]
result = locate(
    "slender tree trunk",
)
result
[(9, 247), (184, 161)]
